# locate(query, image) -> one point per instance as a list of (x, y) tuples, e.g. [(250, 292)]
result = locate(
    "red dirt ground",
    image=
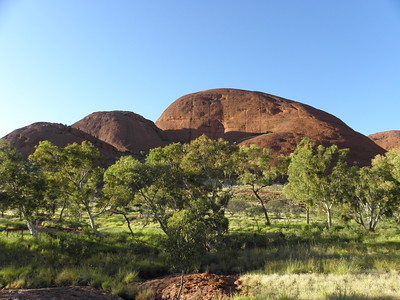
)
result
[(196, 286)]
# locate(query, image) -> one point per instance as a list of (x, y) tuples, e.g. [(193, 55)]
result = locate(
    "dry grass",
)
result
[(321, 286)]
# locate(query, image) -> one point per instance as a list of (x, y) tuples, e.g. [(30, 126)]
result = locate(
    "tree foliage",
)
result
[(256, 170), (185, 190), (74, 173), (318, 176), (376, 190), (21, 185)]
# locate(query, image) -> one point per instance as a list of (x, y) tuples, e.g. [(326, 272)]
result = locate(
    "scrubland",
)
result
[(286, 260)]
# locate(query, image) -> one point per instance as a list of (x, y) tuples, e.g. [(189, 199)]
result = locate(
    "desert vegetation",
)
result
[(307, 226)]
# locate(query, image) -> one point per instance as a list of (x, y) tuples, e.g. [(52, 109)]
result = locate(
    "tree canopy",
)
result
[(22, 185), (74, 172), (318, 176), (375, 190), (183, 187), (255, 169)]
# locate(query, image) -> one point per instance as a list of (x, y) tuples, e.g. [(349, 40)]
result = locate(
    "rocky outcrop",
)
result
[(239, 116), (247, 117), (388, 140), (125, 130), (26, 138)]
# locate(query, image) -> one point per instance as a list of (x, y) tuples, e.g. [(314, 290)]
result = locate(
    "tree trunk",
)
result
[(329, 216), (374, 221), (60, 219), (267, 220), (92, 223), (178, 296), (32, 229), (129, 224), (308, 215), (359, 215)]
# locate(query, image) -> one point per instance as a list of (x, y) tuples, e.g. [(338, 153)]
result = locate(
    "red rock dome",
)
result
[(122, 129), (253, 117), (26, 138), (388, 140)]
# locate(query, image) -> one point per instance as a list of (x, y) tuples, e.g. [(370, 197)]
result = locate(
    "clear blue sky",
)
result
[(61, 60)]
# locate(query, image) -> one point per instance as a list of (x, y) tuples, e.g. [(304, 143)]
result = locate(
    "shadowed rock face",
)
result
[(388, 140), (26, 138), (269, 121), (124, 130)]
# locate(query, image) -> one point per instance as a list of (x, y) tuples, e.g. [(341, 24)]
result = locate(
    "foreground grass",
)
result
[(320, 286), (113, 264)]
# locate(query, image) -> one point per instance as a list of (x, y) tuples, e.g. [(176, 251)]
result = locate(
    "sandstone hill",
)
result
[(388, 140), (249, 117), (26, 138), (124, 130), (240, 116)]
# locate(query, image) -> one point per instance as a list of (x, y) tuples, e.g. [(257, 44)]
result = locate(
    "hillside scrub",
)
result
[(196, 177)]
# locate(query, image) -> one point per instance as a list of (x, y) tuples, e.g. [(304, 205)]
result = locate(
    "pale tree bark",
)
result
[(328, 210), (32, 229), (29, 223), (329, 215), (178, 296), (92, 223), (60, 219)]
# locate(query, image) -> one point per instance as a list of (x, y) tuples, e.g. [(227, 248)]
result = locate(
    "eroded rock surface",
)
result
[(253, 117), (239, 116), (124, 130), (26, 138), (388, 140)]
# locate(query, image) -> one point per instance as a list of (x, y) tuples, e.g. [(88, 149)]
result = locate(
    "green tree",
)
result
[(179, 185), (157, 184), (75, 174), (208, 166), (300, 171), (185, 243), (21, 185), (123, 181), (318, 176), (5, 201), (376, 192), (256, 170), (394, 160)]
